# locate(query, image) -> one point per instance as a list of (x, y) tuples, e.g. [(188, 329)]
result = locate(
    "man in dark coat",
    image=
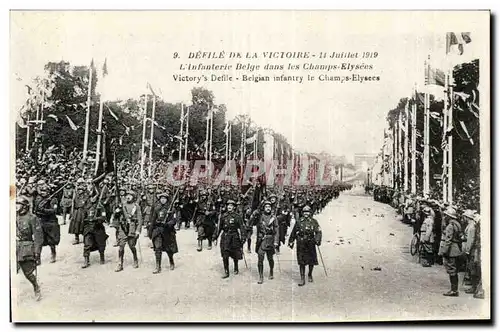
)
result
[(94, 233), (67, 201), (205, 220), (28, 236), (308, 235), (162, 232), (267, 239), (44, 208), (450, 248), (232, 238), (128, 220), (79, 208)]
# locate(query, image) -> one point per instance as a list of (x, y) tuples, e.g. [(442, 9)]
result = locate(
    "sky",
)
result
[(341, 119)]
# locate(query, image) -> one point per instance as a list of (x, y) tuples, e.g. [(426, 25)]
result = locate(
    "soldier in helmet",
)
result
[(67, 201), (128, 220), (94, 233), (44, 208), (147, 201), (79, 206), (267, 239), (427, 238), (28, 236), (205, 220), (472, 250), (232, 239), (308, 235), (162, 232), (449, 248)]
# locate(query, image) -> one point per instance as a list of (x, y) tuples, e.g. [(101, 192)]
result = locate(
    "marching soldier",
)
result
[(450, 248), (67, 202), (147, 204), (283, 223), (79, 207), (162, 232), (308, 235), (472, 249), (28, 235), (205, 220), (232, 238), (94, 233), (44, 208), (267, 240), (106, 197), (128, 221)]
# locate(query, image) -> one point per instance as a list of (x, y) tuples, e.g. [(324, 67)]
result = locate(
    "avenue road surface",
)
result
[(371, 276)]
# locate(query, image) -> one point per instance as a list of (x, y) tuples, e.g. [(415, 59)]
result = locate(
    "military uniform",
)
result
[(128, 220), (472, 249), (308, 235), (232, 238), (205, 221), (67, 202), (450, 249), (267, 240), (162, 233), (94, 233), (79, 209), (45, 210), (28, 236)]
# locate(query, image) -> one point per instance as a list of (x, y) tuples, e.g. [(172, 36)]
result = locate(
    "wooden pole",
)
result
[(187, 135), (182, 136), (87, 117), (144, 119), (405, 161), (450, 139), (151, 137), (414, 145)]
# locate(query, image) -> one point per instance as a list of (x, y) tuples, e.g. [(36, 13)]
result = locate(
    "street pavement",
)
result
[(370, 276)]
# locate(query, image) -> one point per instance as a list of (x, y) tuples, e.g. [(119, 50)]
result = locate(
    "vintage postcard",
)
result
[(250, 166)]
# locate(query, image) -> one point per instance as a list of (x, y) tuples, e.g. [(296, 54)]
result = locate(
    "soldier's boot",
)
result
[(271, 269), (120, 260), (200, 245), (76, 240), (158, 263), (236, 271), (261, 274), (101, 256), (454, 287), (86, 262), (302, 275), (136, 261), (249, 244), (171, 261), (310, 274), (32, 279), (209, 245), (226, 268), (52, 254), (479, 294)]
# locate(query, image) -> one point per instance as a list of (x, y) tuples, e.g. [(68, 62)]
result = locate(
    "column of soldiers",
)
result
[(448, 236), (223, 216)]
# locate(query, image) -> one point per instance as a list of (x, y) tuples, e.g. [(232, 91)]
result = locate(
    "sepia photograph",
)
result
[(249, 166)]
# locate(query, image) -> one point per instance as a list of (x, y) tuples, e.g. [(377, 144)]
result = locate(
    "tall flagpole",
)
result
[(182, 135), (99, 131), (398, 143), (206, 139), (230, 141), (450, 137), (28, 133), (151, 137), (187, 135), (87, 116), (414, 145), (443, 142), (226, 151), (144, 118), (405, 185), (426, 185)]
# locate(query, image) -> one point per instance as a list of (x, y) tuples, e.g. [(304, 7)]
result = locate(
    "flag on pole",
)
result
[(455, 42), (105, 68), (435, 77), (150, 89), (226, 129), (113, 114)]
